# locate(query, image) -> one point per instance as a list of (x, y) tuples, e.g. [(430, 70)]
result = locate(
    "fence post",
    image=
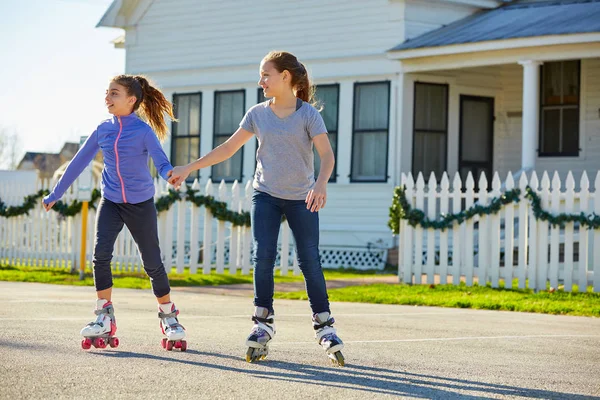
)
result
[(194, 231), (235, 230), (584, 233), (569, 237), (207, 240)]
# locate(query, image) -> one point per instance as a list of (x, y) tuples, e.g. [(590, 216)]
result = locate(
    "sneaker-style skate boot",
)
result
[(101, 332), (262, 332), (171, 328), (327, 338)]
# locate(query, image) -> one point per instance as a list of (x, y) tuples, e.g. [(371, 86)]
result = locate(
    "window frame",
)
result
[(414, 125), (542, 108), (355, 132), (174, 125), (215, 135), (334, 174)]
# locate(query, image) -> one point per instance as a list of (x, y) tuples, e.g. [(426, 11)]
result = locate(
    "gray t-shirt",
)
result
[(285, 160)]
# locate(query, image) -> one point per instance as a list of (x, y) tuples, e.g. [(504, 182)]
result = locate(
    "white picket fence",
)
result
[(509, 245), (46, 239)]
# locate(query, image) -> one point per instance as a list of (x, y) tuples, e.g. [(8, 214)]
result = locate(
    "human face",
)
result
[(272, 81), (117, 101)]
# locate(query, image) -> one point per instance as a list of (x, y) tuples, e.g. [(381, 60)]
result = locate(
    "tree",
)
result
[(10, 148)]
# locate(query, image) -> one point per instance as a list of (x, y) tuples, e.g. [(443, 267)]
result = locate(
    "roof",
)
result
[(520, 19)]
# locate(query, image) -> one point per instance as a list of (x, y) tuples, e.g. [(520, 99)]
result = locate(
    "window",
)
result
[(185, 146), (260, 96), (328, 98), (559, 119), (430, 132), (370, 132), (229, 111)]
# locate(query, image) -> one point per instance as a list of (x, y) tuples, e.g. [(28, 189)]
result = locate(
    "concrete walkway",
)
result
[(391, 351)]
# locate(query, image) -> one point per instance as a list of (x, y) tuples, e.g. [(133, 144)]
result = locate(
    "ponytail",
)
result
[(301, 83), (150, 104)]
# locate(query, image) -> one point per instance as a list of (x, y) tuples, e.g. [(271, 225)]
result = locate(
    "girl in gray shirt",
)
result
[(287, 126)]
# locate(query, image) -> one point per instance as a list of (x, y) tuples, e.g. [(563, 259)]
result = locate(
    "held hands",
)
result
[(316, 198), (177, 176)]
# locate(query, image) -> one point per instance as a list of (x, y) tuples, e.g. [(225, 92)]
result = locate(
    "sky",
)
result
[(54, 72)]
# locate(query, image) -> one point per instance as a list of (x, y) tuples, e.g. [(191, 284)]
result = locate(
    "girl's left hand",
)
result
[(316, 198)]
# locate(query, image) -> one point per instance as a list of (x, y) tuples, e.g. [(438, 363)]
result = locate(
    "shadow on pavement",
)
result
[(358, 378)]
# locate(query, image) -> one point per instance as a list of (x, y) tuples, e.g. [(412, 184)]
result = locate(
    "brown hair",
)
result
[(301, 84), (150, 101)]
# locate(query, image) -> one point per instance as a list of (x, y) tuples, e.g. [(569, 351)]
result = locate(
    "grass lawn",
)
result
[(139, 280), (477, 297)]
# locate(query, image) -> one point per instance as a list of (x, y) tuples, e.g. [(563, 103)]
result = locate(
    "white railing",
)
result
[(510, 245), (190, 237)]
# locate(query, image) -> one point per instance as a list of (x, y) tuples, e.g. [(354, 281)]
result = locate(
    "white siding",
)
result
[(186, 34)]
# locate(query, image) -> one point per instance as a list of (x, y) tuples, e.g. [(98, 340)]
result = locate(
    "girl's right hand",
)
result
[(47, 207), (178, 176)]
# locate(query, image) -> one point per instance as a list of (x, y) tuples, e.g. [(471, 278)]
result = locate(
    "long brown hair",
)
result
[(150, 103), (301, 84)]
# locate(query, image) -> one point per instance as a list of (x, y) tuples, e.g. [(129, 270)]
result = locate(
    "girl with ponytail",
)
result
[(287, 127), (126, 141)]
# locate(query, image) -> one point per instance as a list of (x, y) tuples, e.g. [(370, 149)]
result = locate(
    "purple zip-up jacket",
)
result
[(126, 143)]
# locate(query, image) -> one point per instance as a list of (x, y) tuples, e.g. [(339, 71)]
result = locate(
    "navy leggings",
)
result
[(141, 220)]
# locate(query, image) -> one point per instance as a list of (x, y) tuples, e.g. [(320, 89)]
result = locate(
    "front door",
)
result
[(476, 137)]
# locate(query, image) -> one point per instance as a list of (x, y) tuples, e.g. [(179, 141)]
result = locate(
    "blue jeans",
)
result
[(266, 219)]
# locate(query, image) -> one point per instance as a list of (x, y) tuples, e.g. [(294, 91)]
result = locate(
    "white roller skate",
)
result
[(171, 328), (327, 338), (101, 332), (262, 332)]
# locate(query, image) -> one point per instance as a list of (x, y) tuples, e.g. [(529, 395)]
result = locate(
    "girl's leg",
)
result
[(141, 220), (266, 219), (108, 225), (305, 228)]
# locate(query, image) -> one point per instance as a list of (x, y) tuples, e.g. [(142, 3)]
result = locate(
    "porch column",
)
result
[(531, 112)]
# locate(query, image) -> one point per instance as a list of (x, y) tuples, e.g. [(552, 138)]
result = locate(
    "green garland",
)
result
[(60, 207), (28, 204), (401, 209), (75, 207), (217, 208), (592, 221)]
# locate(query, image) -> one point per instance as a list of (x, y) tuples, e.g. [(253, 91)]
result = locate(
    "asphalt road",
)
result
[(391, 351)]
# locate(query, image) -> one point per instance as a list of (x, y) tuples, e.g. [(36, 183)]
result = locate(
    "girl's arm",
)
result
[(215, 156), (161, 161), (317, 198), (83, 157)]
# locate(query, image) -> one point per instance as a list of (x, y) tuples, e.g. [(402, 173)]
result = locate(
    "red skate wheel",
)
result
[(178, 344), (163, 343), (86, 343), (100, 343), (183, 345), (169, 345), (113, 342)]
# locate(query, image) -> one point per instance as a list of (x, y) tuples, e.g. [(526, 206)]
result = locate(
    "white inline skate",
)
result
[(326, 336), (101, 332), (171, 328), (262, 332)]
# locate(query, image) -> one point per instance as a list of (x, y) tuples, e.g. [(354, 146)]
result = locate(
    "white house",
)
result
[(408, 86)]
